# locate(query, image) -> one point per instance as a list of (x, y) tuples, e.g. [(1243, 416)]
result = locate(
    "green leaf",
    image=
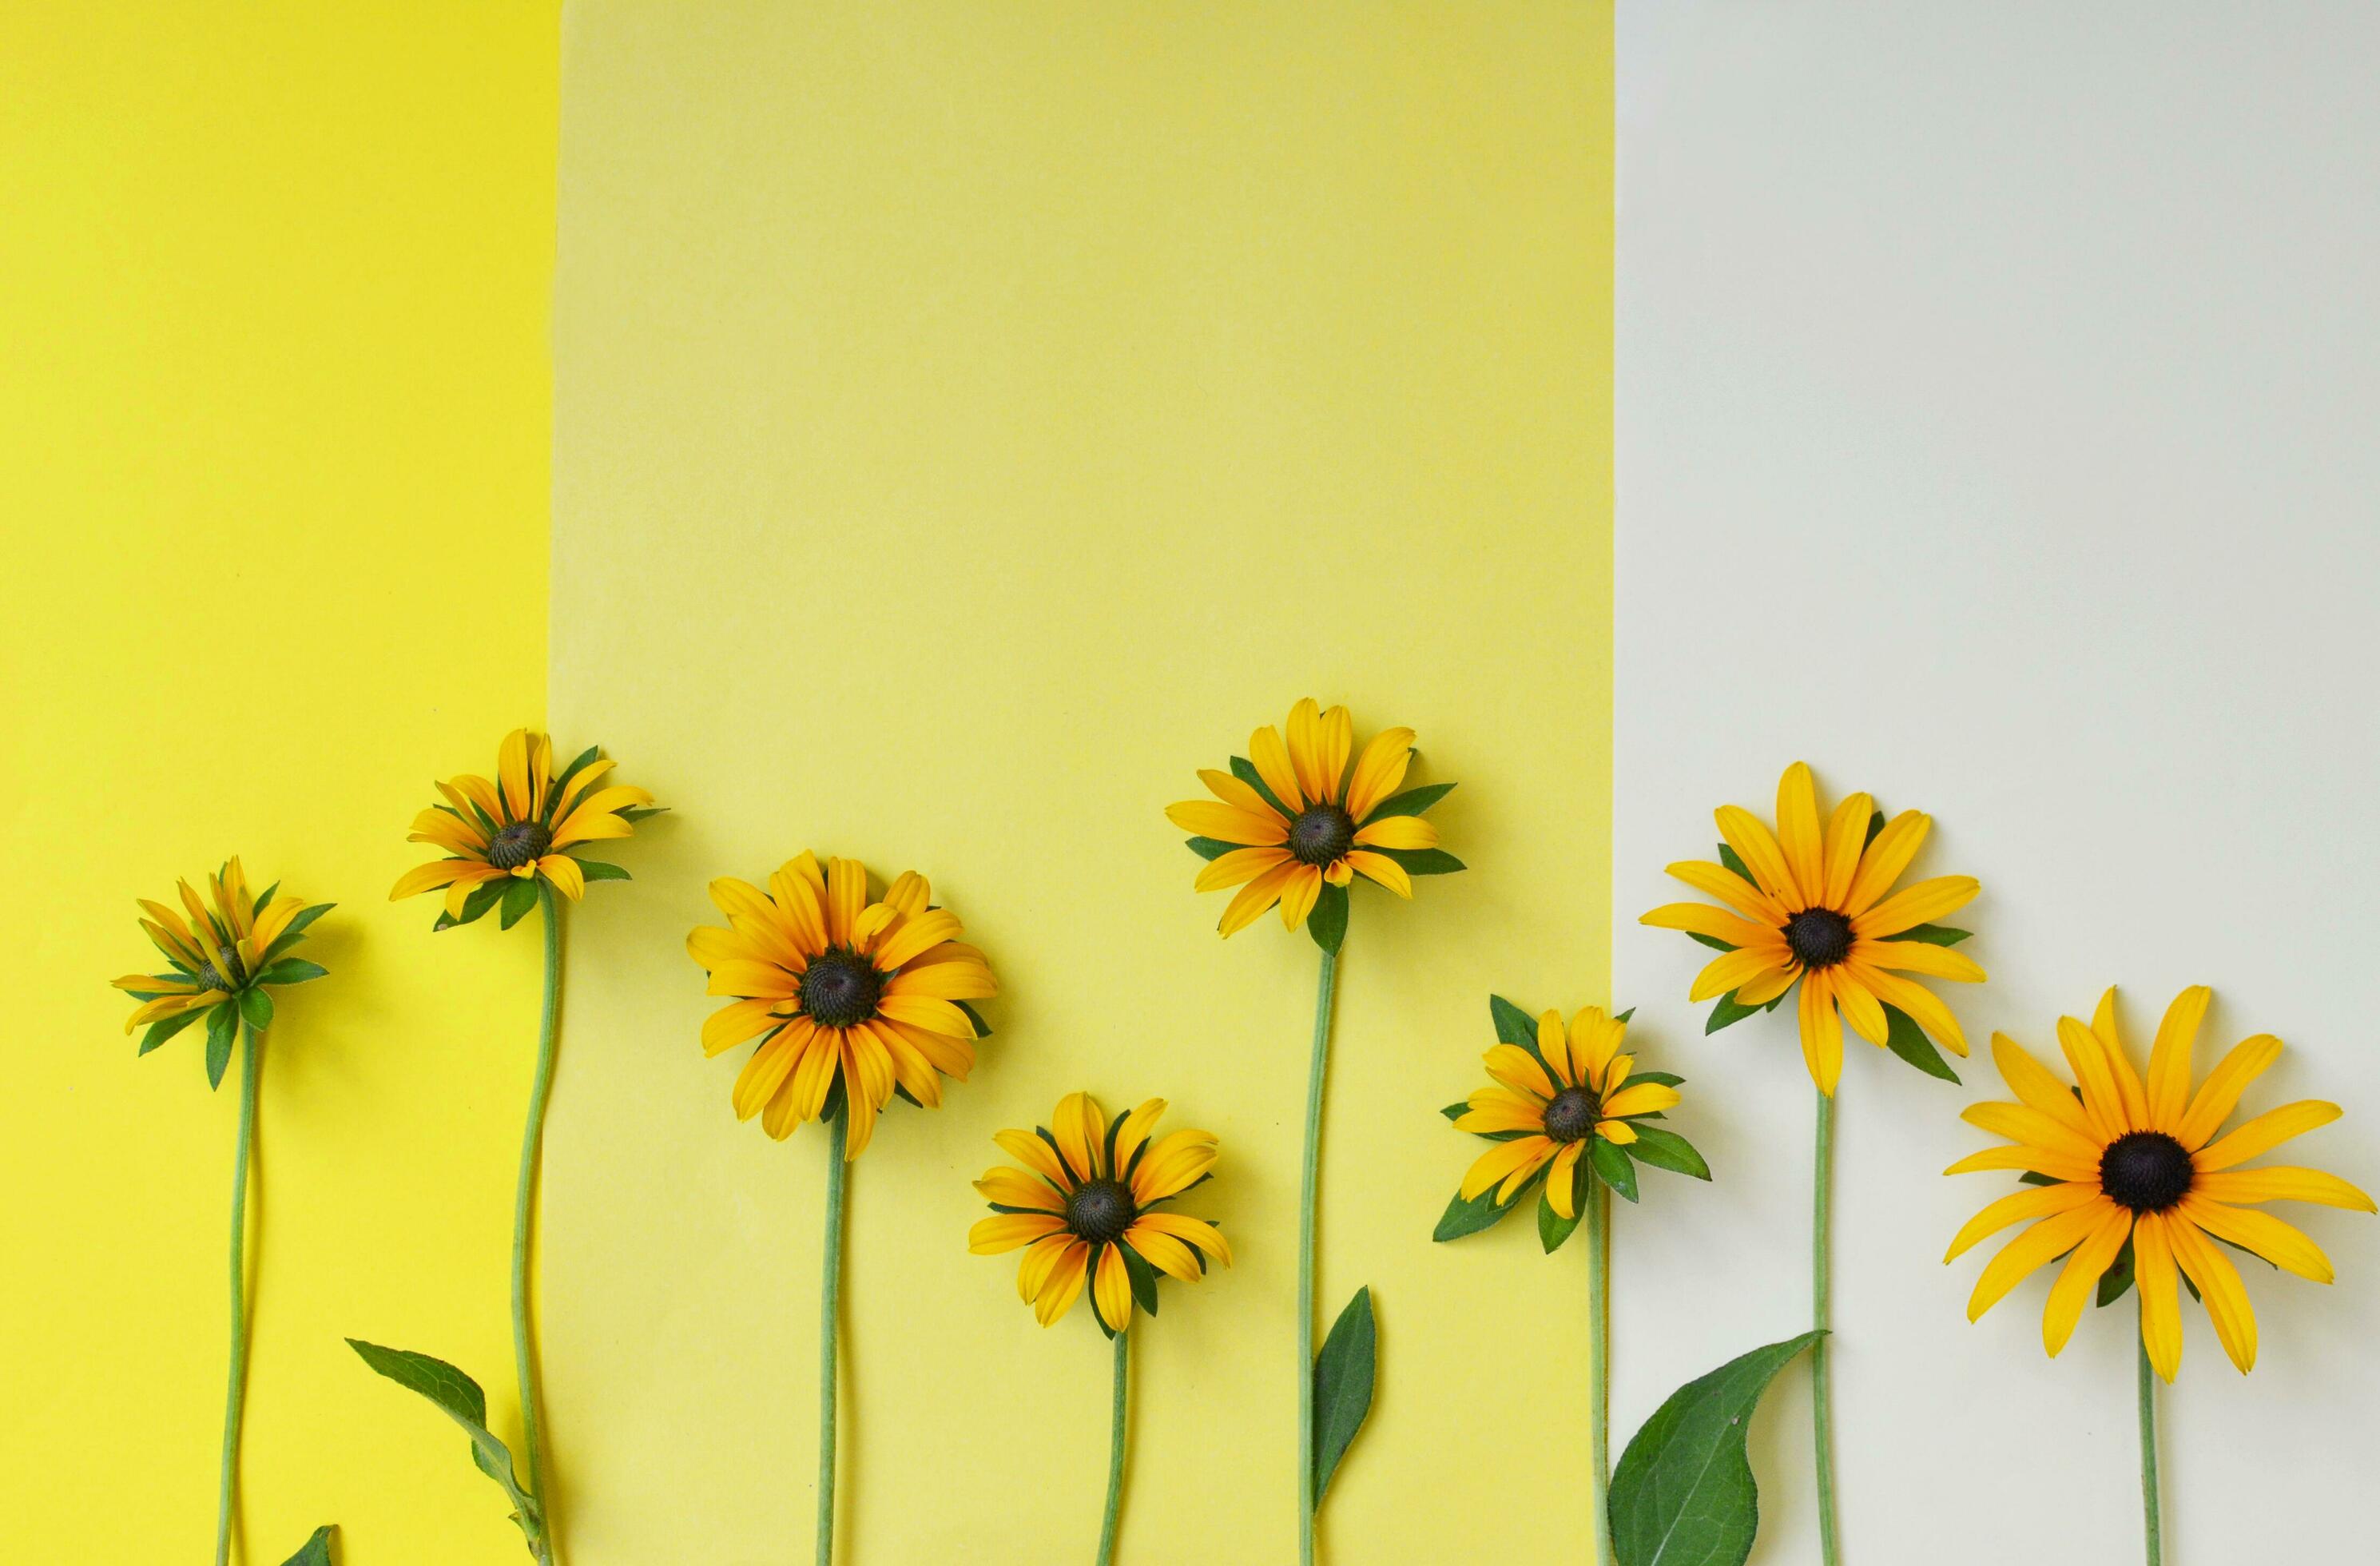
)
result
[(1553, 1227), (290, 970), (1611, 1167), (459, 1398), (1908, 1040), (1245, 771), (1328, 922), (1513, 1025), (166, 1028), (1683, 1494), (223, 1028), (316, 1551), (519, 898), (1933, 935), (596, 869), (1412, 802), (257, 1007), (1482, 1211), (1342, 1388), (1210, 847), (1666, 1149), (1424, 861)]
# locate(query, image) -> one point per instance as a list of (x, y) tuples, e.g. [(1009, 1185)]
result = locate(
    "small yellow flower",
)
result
[(853, 1001), (1084, 1211), (1289, 819), (1810, 907), (233, 947), (521, 827), (2134, 1164)]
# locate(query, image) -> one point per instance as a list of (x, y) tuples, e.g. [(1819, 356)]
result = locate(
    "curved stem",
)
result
[(236, 1397), (830, 1320), (1598, 1363), (1822, 1419), (524, 1210), (1115, 1452), (2149, 1507), (1324, 993)]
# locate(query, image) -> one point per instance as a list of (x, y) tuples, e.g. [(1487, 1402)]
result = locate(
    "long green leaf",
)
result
[(1342, 1387), (1905, 1038), (223, 1028), (1553, 1227), (1667, 1149), (316, 1550), (1513, 1025), (459, 1398), (1327, 923), (1683, 1494)]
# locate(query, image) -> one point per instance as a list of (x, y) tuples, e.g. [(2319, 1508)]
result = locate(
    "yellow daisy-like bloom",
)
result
[(520, 829), (1561, 1100), (853, 1001), (232, 947), (1290, 819), (1815, 910), (1080, 1209), (2138, 1162)]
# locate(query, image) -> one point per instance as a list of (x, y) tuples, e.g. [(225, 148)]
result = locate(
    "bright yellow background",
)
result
[(972, 419), (274, 419)]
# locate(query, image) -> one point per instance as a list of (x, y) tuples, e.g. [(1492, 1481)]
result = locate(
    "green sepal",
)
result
[(519, 898), (1933, 935), (1342, 1388), (1905, 1038), (1683, 1494), (164, 1028), (1143, 1276), (1611, 1167), (982, 1028), (1482, 1211), (1726, 1012), (1423, 861), (1412, 802), (1553, 1227), (256, 1007), (596, 869), (476, 903), (1245, 771), (1327, 923), (1626, 1016), (1667, 1149), (1875, 825), (643, 812), (2034, 1177), (2117, 1281), (459, 1398), (315, 1551), (223, 1028), (1733, 861), (290, 970), (1209, 847), (1663, 1078), (1713, 941)]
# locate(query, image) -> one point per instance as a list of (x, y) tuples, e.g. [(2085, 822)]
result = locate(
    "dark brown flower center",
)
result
[(1321, 834), (523, 843), (1100, 1211), (841, 988), (1819, 937), (2145, 1171), (1572, 1115)]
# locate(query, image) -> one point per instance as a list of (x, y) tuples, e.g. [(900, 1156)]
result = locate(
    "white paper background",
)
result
[(1997, 391)]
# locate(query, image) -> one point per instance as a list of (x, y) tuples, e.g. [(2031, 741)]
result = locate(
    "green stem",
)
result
[(1115, 1452), (236, 1397), (830, 1319), (1598, 1363), (1324, 992), (1822, 1418), (2149, 1507), (523, 1209)]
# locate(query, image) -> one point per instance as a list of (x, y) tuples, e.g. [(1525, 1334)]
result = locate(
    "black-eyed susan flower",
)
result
[(1812, 904), (853, 1000), (2135, 1166), (1291, 827), (224, 959), (504, 838)]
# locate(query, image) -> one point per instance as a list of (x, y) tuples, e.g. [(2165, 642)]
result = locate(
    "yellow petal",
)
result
[(1379, 771), (1007, 1231), (1397, 831), (1081, 1128), (2282, 1183), (2169, 1057), (1797, 832), (2078, 1281), (2284, 1244), (2265, 1132), (1883, 861), (2033, 1202), (1744, 832), (1922, 904), (1517, 1069), (1846, 834), (2219, 1289), (2159, 1286), (1111, 1290), (2020, 1258), (2219, 1094), (1822, 1031), (1272, 759)]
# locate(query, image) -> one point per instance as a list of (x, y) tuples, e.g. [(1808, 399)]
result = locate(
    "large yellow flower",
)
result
[(1289, 819), (2134, 1163), (503, 837), (1809, 906), (853, 1001), (234, 945), (1083, 1213)]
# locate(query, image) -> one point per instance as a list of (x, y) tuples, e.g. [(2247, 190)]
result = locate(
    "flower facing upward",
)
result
[(1083, 1213), (853, 1001), (1551, 1107), (223, 959), (504, 837), (1289, 818), (2134, 1163), (1808, 906)]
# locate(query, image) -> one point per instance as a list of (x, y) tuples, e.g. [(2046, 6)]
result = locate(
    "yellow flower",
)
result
[(853, 1001), (223, 958), (2138, 1163), (520, 827), (1289, 819), (1809, 906), (1554, 1102), (1083, 1211)]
